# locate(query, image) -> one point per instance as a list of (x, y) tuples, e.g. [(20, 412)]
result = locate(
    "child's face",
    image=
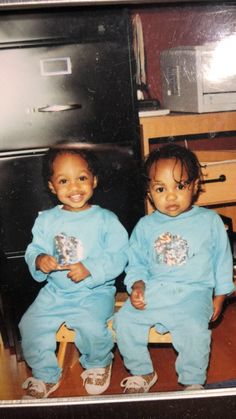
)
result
[(168, 189), (72, 182)]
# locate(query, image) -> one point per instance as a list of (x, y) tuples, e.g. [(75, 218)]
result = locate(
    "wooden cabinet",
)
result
[(219, 169), (216, 164), (184, 124)]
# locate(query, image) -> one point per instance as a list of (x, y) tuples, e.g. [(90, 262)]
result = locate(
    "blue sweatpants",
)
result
[(87, 312), (185, 311)]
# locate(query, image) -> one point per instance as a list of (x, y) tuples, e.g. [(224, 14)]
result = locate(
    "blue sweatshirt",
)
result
[(192, 248), (94, 237)]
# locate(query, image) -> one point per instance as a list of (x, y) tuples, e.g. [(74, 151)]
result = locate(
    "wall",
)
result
[(165, 27)]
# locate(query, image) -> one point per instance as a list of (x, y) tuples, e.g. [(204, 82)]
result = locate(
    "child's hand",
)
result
[(137, 295), (217, 306), (77, 272), (46, 263)]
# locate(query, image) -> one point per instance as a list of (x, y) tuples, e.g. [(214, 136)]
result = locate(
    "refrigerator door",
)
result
[(80, 92)]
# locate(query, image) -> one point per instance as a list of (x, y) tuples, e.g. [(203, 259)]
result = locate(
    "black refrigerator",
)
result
[(65, 75)]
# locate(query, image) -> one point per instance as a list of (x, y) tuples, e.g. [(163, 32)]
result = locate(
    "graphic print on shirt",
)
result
[(68, 249), (171, 249)]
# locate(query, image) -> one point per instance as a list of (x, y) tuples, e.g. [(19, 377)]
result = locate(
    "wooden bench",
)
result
[(65, 335)]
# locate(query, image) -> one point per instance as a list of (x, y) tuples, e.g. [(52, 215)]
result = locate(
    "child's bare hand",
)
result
[(218, 302), (77, 272), (137, 295), (46, 263)]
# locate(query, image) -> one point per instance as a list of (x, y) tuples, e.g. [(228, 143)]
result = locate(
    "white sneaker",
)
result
[(37, 389), (194, 387), (139, 383), (96, 380)]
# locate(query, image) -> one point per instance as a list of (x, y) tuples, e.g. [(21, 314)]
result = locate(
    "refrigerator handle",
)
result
[(59, 108)]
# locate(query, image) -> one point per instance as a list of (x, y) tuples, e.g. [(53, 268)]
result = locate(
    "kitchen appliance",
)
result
[(199, 78)]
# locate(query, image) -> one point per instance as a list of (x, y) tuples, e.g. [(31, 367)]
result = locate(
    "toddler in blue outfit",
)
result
[(179, 272), (79, 249)]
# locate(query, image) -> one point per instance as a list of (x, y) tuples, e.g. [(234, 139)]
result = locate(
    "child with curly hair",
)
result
[(179, 272)]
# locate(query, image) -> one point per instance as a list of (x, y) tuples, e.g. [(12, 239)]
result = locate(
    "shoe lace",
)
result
[(35, 385), (92, 374), (134, 382)]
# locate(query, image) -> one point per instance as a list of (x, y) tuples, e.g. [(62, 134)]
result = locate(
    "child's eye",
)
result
[(62, 181), (160, 189), (83, 178), (181, 186)]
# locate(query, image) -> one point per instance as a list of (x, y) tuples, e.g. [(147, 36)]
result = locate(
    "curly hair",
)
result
[(186, 157), (68, 148)]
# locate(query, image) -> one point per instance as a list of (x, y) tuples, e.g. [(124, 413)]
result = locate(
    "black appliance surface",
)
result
[(66, 75)]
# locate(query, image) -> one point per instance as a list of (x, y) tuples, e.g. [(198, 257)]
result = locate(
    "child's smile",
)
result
[(72, 182), (76, 198)]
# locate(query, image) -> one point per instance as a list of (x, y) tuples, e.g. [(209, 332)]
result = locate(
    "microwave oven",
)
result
[(199, 78)]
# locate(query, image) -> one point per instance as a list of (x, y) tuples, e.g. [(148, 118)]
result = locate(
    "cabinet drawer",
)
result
[(218, 192)]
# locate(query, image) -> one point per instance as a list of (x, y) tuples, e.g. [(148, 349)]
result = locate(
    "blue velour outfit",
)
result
[(97, 239), (183, 261)]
